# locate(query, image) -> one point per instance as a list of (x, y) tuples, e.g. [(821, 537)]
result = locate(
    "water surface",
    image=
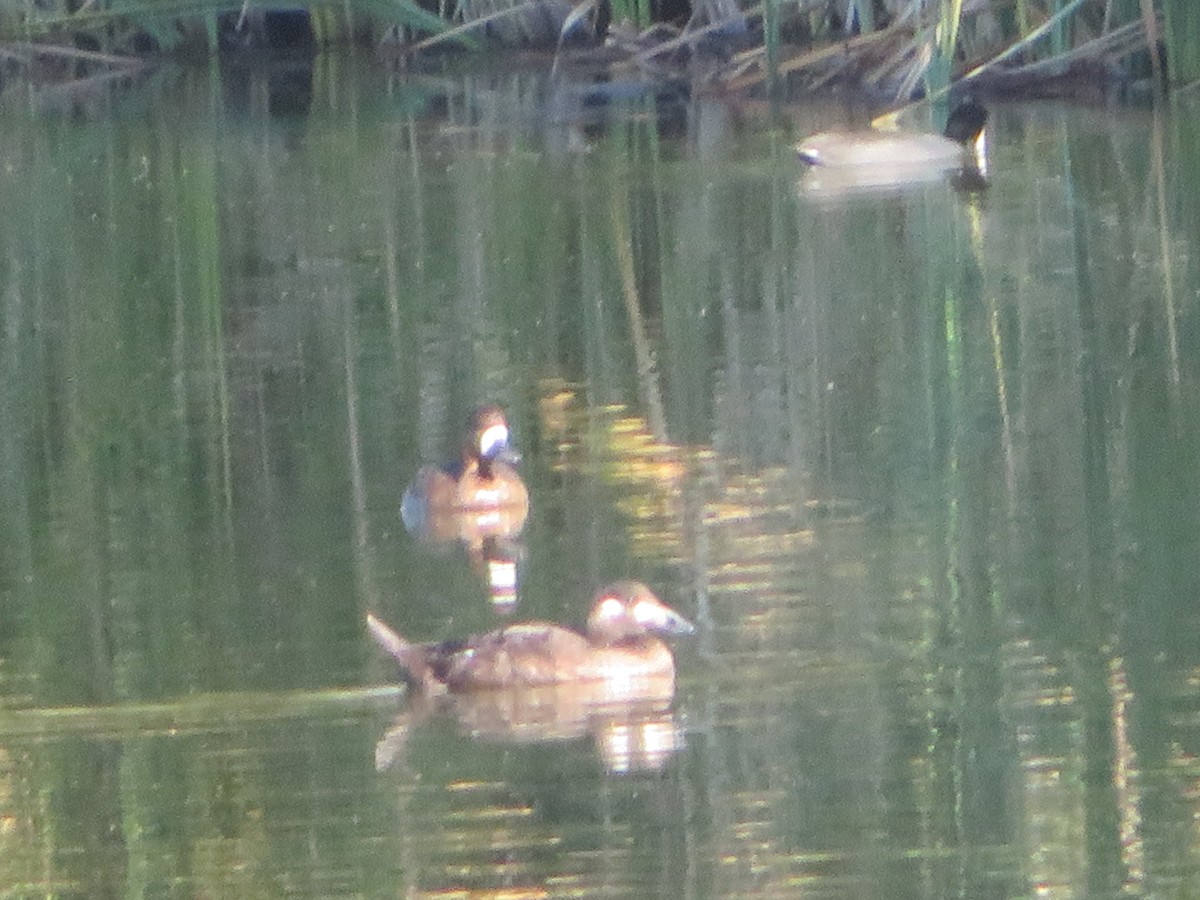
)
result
[(922, 465)]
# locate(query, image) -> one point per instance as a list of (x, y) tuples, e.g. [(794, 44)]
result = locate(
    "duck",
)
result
[(620, 647), (957, 146), (480, 493)]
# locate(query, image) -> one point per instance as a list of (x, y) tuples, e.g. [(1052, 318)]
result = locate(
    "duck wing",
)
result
[(521, 655)]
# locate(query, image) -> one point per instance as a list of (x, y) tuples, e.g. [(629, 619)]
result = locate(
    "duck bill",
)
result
[(670, 622), (507, 454)]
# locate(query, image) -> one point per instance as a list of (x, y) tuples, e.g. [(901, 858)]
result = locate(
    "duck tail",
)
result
[(408, 655), (388, 639)]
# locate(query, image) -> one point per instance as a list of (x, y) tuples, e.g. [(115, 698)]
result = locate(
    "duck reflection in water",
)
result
[(478, 501), (878, 160), (536, 681)]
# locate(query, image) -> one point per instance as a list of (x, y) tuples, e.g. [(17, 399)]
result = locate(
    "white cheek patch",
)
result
[(610, 608), (494, 437), (649, 615)]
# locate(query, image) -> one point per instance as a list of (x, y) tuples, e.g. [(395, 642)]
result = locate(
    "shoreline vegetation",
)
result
[(892, 51)]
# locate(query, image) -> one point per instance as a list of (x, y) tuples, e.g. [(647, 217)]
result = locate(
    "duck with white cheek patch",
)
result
[(622, 645)]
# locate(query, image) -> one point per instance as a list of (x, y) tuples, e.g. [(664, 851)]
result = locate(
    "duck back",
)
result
[(522, 655), (899, 149), (880, 148)]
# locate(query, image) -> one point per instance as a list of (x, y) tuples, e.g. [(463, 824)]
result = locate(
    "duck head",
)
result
[(488, 439), (966, 122), (629, 611)]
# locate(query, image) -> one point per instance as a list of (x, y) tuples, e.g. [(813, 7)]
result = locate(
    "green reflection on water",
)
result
[(921, 464)]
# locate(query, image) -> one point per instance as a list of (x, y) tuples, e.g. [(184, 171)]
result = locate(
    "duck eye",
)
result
[(494, 438)]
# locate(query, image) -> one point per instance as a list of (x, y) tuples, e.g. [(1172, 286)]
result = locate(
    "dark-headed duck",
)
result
[(620, 646), (901, 150), (482, 481)]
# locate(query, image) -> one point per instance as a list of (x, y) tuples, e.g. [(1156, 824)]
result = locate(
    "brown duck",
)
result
[(483, 479), (620, 646)]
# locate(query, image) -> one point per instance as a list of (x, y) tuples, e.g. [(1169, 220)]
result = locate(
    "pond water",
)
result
[(922, 465)]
